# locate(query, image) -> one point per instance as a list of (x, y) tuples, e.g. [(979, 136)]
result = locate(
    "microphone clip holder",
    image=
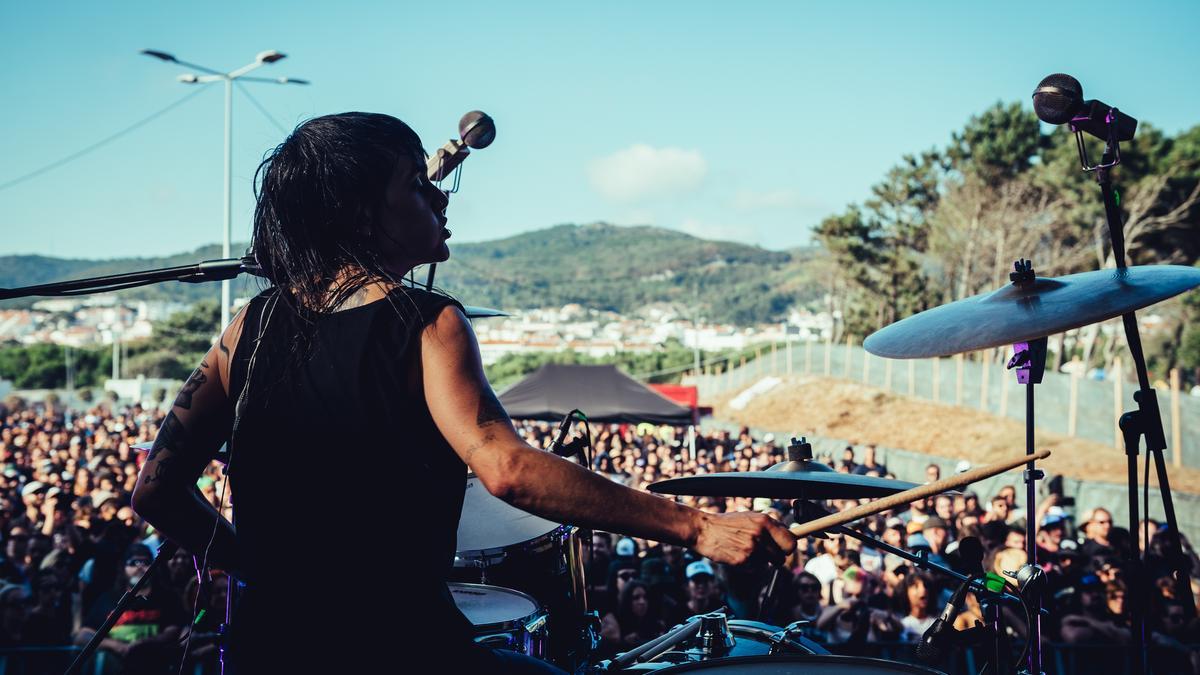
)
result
[(1112, 148)]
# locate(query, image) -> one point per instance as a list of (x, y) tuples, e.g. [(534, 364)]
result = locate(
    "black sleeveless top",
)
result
[(346, 495)]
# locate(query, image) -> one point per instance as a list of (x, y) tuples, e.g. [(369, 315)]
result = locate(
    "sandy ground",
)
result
[(841, 409)]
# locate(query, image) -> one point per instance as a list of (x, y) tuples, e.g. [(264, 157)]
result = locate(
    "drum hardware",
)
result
[(778, 640), (658, 645), (714, 637)]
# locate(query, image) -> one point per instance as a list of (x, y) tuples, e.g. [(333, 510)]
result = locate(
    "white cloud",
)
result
[(642, 172)]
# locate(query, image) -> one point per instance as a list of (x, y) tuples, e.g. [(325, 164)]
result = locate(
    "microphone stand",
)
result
[(209, 270), (1145, 421), (1029, 360), (165, 550), (988, 599)]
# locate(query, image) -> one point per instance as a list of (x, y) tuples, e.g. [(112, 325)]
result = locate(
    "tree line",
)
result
[(947, 223)]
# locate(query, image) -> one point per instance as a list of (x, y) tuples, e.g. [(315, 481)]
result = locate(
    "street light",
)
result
[(209, 76)]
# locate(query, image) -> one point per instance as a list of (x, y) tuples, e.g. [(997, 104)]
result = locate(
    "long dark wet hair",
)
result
[(317, 195)]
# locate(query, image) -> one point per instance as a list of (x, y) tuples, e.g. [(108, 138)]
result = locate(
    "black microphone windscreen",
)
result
[(477, 129), (931, 649), (970, 553), (1056, 98)]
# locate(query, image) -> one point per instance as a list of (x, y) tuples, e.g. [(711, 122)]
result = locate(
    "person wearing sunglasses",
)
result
[(1097, 524)]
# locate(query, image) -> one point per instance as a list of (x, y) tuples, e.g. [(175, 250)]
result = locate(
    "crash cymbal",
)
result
[(483, 312), (1023, 311), (786, 480)]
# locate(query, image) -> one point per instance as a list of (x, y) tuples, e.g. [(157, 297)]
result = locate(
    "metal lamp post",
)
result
[(209, 76)]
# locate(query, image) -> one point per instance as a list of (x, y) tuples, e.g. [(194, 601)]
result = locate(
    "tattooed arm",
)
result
[(195, 427), (469, 415)]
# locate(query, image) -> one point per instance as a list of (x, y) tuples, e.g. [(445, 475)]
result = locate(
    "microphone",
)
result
[(476, 130), (939, 637), (1058, 99), (561, 436)]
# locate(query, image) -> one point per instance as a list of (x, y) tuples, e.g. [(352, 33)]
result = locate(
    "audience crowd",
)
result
[(71, 546)]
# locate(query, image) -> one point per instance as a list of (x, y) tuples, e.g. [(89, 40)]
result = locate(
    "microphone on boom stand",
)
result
[(561, 447), (476, 130), (940, 637)]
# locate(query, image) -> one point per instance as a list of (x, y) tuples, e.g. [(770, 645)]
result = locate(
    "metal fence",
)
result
[(1067, 404)]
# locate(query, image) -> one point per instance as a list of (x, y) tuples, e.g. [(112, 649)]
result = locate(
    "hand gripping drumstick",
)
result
[(912, 495)]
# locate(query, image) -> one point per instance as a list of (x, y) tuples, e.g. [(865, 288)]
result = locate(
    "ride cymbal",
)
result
[(1023, 311)]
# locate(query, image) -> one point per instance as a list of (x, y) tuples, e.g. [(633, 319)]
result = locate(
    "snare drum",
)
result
[(503, 618), (501, 545)]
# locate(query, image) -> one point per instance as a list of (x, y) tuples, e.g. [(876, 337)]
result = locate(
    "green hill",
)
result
[(602, 266)]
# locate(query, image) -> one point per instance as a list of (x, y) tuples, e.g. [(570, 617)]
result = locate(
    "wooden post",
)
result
[(887, 374), (846, 365), (937, 379), (866, 368), (789, 355), (829, 355), (958, 379), (1006, 379), (1118, 402), (986, 364), (912, 377), (1176, 422), (1073, 402), (808, 357)]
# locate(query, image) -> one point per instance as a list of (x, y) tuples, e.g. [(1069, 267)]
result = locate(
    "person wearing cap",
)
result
[(703, 594), (937, 534), (1093, 622), (1050, 536)]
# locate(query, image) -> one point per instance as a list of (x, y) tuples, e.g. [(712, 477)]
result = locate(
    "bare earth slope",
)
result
[(841, 409)]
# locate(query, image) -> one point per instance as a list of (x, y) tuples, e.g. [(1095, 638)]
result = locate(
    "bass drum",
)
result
[(817, 664)]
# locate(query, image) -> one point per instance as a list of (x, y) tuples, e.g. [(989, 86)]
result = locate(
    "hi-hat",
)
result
[(483, 312), (797, 478), (1023, 311)]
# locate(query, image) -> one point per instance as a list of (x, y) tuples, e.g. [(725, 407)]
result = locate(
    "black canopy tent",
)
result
[(603, 393)]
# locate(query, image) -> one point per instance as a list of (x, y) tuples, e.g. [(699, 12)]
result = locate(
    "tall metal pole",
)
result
[(228, 229)]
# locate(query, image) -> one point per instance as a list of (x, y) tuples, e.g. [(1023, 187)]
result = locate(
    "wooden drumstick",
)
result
[(912, 495)]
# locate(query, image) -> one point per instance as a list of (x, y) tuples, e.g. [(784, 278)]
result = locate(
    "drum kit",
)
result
[(540, 606)]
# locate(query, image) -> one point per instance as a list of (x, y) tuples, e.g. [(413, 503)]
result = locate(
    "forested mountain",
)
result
[(599, 265)]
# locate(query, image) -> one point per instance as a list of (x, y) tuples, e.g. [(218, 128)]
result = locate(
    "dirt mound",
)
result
[(841, 409)]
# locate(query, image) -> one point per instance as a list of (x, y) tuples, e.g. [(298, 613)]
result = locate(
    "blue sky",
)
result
[(744, 121)]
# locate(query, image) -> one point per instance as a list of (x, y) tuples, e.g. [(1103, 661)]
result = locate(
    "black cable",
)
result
[(76, 155), (237, 419), (1146, 505), (260, 107), (1029, 637)]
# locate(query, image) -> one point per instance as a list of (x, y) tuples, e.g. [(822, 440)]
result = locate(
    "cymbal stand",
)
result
[(1029, 361), (1146, 421)]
